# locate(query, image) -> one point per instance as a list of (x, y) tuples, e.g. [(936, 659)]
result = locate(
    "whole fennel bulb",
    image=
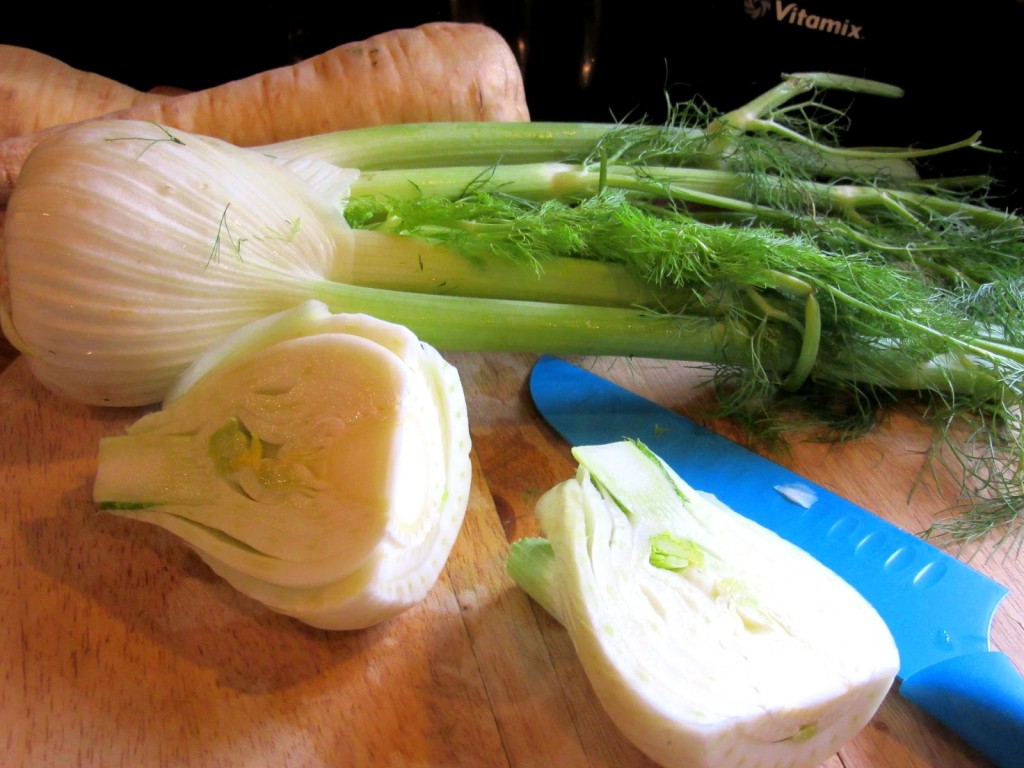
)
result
[(131, 247)]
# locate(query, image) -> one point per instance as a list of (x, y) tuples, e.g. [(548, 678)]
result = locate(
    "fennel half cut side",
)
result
[(318, 462), (709, 640)]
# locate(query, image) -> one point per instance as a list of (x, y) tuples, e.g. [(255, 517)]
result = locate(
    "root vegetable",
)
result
[(38, 91), (436, 72)]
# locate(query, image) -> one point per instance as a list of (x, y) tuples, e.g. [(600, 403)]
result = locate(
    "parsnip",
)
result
[(38, 91), (442, 71)]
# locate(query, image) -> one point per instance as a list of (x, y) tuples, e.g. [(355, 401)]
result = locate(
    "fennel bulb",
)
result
[(709, 640), (129, 250), (318, 462)]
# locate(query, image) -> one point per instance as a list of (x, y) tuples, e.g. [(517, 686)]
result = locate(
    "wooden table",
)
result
[(118, 647)]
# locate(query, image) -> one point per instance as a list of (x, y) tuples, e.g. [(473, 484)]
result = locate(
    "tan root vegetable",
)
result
[(442, 71), (38, 91)]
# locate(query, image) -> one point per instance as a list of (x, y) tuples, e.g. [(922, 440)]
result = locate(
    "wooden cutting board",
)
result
[(118, 647)]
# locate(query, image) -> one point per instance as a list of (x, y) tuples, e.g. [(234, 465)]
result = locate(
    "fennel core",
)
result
[(750, 240)]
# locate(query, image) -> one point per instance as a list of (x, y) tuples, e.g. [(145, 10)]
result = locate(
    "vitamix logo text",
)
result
[(793, 13)]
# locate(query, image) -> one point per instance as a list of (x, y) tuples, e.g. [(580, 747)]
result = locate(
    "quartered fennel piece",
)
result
[(318, 462), (709, 640)]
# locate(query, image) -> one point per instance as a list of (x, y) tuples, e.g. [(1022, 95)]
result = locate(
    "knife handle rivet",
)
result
[(844, 527), (872, 544), (900, 560), (930, 575)]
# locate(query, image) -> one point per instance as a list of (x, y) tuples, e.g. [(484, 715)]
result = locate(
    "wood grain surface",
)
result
[(118, 647)]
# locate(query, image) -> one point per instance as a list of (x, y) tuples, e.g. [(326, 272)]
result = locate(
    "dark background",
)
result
[(960, 65)]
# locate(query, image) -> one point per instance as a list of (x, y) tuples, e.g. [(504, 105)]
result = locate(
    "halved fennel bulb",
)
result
[(709, 640), (318, 462)]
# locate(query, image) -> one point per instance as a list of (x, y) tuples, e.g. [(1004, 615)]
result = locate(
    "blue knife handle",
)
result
[(979, 696)]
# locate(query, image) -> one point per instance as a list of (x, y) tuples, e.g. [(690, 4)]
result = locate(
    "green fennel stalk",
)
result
[(845, 270)]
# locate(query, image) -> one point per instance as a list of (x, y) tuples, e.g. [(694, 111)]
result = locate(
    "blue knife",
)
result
[(938, 609)]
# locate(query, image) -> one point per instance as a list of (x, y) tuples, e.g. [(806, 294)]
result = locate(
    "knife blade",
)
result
[(938, 609)]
